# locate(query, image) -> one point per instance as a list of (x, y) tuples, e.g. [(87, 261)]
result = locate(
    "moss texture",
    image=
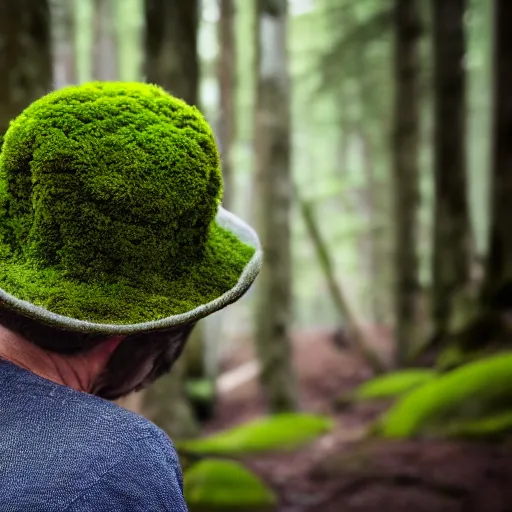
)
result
[(490, 427), (222, 485), (285, 431), (108, 195), (393, 384), (454, 401)]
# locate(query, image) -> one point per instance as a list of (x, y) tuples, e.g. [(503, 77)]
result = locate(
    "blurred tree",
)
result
[(26, 58), (354, 333), (172, 62), (64, 51), (104, 60), (498, 280), (129, 31), (227, 80), (355, 70), (452, 228), (171, 47), (83, 11), (408, 293), (274, 189)]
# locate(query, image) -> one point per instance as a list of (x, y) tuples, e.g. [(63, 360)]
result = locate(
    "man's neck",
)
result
[(78, 371)]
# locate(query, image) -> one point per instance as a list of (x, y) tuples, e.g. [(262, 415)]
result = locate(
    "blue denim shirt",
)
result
[(66, 451)]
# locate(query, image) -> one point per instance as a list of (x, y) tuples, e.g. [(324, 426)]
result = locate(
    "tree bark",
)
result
[(406, 177), (227, 81), (498, 281), (171, 47), (25, 58), (172, 62), (272, 165), (452, 227)]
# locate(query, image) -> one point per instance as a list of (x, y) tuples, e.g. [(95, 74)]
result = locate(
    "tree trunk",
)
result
[(172, 62), (272, 165), (227, 81), (171, 47), (498, 281), (25, 58), (406, 177), (64, 54), (129, 31), (452, 228), (371, 237), (104, 62), (356, 333)]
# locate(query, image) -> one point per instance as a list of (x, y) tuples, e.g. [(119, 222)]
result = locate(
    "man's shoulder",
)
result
[(136, 467), (70, 412), (85, 452), (113, 419)]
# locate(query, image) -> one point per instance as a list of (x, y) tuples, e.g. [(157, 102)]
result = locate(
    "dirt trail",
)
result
[(341, 473)]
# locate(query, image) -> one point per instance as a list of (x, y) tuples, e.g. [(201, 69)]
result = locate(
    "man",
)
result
[(113, 245)]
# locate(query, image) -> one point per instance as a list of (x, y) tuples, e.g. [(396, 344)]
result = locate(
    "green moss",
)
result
[(225, 485), (454, 356), (393, 384), (200, 389), (108, 195), (280, 432), (480, 389), (489, 427)]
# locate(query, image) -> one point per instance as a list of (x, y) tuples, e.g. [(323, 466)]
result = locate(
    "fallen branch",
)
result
[(359, 338)]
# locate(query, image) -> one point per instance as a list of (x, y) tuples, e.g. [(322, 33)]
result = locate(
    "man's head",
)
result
[(111, 226), (109, 366)]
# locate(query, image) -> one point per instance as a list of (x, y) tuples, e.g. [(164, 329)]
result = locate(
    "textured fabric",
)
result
[(224, 219), (66, 451)]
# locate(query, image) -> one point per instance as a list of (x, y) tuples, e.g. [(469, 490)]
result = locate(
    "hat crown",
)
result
[(109, 180)]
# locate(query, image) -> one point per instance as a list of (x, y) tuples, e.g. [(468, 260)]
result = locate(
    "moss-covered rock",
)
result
[(219, 485), (480, 390), (393, 384), (108, 197), (280, 432)]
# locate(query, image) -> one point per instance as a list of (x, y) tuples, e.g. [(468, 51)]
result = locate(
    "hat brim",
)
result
[(240, 233)]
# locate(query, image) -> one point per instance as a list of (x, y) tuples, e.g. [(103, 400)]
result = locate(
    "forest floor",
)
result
[(343, 472)]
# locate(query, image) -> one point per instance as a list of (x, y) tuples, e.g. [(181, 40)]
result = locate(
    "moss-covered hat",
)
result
[(110, 216)]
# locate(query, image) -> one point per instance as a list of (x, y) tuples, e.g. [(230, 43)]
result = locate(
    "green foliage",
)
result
[(480, 389), (219, 485), (493, 426), (108, 194), (200, 389), (393, 384), (280, 432), (358, 36), (452, 357)]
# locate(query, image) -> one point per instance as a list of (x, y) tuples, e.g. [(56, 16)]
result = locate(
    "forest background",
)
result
[(368, 143)]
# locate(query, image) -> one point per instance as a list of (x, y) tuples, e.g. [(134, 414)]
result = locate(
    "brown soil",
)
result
[(342, 472)]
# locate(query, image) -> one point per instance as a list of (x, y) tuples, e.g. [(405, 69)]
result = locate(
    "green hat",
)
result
[(110, 216)]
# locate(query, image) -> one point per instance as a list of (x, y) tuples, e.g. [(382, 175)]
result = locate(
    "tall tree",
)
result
[(172, 62), (171, 47), (272, 166), (104, 60), (498, 281), (25, 58), (64, 51), (227, 82), (452, 227), (408, 295)]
